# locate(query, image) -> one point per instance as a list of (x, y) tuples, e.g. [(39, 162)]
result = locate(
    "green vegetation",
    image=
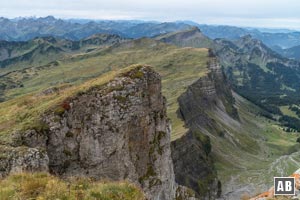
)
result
[(179, 68), (205, 141), (274, 89), (203, 184), (257, 149), (150, 172), (42, 186), (138, 74), (287, 111), (188, 193), (121, 99)]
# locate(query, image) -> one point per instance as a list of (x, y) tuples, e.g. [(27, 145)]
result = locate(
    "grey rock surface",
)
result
[(21, 159), (191, 154), (116, 131)]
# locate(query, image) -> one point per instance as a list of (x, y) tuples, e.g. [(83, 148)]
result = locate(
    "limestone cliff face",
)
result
[(209, 93), (117, 131), (193, 164)]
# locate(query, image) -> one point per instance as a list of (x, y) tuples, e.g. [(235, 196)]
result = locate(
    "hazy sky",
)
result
[(254, 13)]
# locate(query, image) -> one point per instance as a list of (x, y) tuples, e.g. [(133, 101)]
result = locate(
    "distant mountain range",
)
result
[(40, 51), (284, 39), (21, 29), (29, 28)]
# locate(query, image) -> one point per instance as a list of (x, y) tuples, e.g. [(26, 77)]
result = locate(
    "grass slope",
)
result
[(42, 186), (253, 150)]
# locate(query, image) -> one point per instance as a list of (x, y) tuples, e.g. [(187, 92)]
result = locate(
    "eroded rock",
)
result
[(116, 131)]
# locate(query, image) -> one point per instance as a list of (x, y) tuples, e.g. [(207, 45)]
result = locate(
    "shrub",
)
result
[(120, 98), (59, 111), (41, 126), (137, 74), (66, 105), (204, 139)]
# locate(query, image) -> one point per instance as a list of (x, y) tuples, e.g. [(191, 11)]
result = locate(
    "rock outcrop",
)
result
[(116, 131), (210, 92), (19, 159), (193, 164)]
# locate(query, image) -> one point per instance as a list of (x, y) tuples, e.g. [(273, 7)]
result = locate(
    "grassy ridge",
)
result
[(24, 112), (179, 67)]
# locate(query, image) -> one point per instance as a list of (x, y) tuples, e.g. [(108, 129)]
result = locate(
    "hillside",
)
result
[(179, 67), (22, 60), (237, 143), (262, 76), (41, 51), (254, 70), (246, 146)]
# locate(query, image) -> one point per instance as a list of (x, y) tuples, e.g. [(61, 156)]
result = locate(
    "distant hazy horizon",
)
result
[(267, 29), (247, 13)]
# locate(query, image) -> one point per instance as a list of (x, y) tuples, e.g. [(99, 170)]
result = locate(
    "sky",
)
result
[(247, 13)]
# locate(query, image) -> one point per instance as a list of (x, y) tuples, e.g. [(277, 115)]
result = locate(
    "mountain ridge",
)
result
[(78, 29), (237, 140), (255, 71), (69, 142)]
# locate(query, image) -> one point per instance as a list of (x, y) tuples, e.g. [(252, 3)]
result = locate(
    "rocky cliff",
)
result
[(193, 164), (115, 131)]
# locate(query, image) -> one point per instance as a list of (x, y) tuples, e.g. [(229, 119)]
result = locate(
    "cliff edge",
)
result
[(115, 131)]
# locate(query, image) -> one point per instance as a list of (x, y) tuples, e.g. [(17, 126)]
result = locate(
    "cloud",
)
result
[(268, 13)]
